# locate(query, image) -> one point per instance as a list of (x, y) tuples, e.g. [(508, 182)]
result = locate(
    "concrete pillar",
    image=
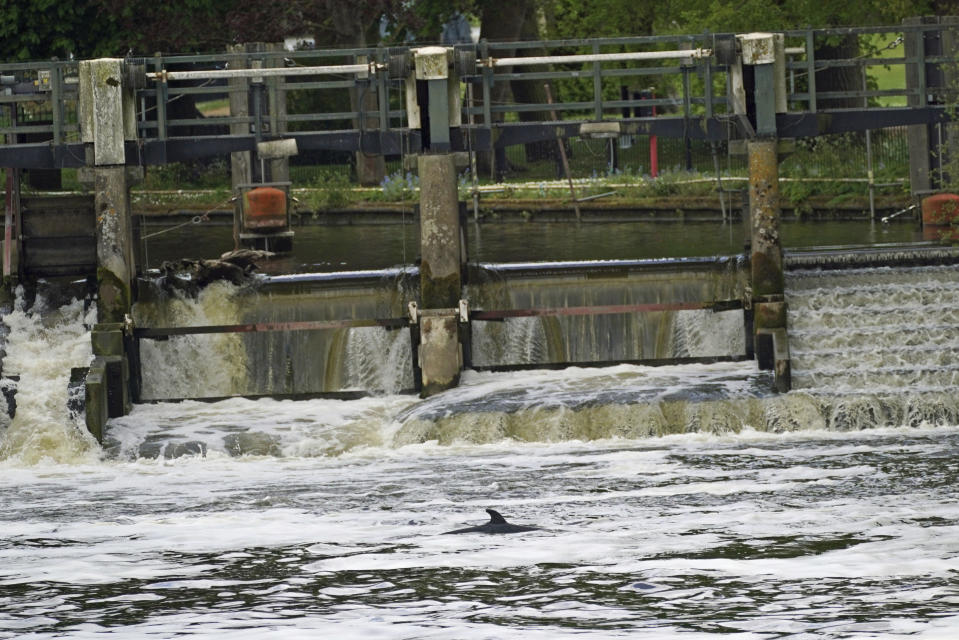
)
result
[(114, 231), (765, 53), (440, 355), (106, 121), (279, 168), (440, 358), (240, 161), (764, 214), (95, 398), (439, 352), (439, 232)]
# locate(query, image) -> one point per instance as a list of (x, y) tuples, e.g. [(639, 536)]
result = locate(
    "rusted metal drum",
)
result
[(264, 208), (940, 217)]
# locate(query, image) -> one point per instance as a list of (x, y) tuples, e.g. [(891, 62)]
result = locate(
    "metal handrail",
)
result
[(494, 62)]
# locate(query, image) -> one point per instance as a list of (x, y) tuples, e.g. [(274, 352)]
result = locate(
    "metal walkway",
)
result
[(276, 94)]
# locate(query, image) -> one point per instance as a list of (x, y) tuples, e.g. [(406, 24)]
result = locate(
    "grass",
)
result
[(214, 108), (891, 76)]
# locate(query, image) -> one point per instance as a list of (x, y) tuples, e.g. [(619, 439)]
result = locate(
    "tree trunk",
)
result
[(839, 78), (502, 20), (352, 31), (532, 91)]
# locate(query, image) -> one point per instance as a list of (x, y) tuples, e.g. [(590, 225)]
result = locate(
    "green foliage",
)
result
[(716, 16), (330, 189), (48, 28), (189, 175)]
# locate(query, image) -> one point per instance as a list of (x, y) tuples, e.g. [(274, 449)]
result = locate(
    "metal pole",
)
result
[(719, 181), (562, 155), (598, 57), (11, 202), (472, 152), (869, 172), (8, 223), (597, 86), (214, 74)]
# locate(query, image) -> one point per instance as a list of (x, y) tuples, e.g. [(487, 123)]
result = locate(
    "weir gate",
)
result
[(446, 110)]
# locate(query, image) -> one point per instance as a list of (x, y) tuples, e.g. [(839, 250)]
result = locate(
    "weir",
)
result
[(298, 336)]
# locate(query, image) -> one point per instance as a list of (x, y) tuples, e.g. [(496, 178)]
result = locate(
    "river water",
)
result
[(683, 501), (349, 247)]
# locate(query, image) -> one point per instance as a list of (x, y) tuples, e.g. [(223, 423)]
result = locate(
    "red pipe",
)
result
[(653, 150)]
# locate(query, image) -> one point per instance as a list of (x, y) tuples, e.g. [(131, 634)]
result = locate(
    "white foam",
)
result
[(42, 348)]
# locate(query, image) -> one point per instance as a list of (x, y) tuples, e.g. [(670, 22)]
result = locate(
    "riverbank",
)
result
[(611, 208)]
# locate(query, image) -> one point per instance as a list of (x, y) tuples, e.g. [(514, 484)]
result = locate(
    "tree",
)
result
[(48, 28)]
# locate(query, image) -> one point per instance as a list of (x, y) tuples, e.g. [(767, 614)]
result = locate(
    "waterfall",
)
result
[(192, 365), (378, 360), (44, 342), (704, 333)]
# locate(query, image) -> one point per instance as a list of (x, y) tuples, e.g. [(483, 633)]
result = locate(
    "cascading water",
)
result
[(870, 347), (513, 341), (699, 334), (324, 517), (42, 345), (877, 347), (378, 361), (192, 365)]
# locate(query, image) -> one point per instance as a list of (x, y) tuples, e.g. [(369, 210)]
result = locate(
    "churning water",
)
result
[(678, 501)]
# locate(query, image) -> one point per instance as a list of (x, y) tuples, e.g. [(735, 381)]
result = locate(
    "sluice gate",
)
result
[(110, 117), (312, 333)]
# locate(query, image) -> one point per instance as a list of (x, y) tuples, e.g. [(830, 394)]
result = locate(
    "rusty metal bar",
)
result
[(317, 325), (257, 327), (306, 395), (599, 364), (501, 314)]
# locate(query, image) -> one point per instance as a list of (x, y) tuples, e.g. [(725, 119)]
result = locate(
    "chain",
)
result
[(203, 217)]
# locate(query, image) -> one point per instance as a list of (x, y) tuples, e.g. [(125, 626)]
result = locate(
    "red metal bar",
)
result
[(602, 310), (653, 150), (652, 362)]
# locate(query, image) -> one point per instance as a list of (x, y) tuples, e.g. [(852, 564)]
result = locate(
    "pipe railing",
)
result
[(489, 63)]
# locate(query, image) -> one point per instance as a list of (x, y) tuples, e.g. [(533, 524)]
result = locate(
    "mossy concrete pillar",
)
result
[(440, 358), (765, 53), (764, 214), (766, 261), (106, 122), (114, 231)]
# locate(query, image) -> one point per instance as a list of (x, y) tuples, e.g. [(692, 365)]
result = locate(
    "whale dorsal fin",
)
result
[(495, 517)]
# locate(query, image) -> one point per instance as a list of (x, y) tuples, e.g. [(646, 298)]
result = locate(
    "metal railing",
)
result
[(38, 100)]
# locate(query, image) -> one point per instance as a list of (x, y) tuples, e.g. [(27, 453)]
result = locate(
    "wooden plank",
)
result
[(58, 256)]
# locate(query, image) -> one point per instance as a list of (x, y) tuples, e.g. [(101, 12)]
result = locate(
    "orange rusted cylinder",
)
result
[(264, 208), (940, 217)]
